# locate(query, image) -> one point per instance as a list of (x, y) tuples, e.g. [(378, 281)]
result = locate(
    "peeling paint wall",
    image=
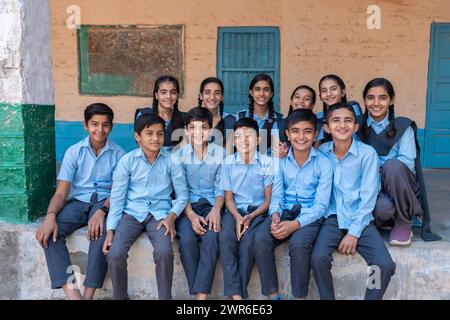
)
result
[(317, 37)]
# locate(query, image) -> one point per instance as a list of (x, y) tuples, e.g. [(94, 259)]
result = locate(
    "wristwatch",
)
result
[(105, 209)]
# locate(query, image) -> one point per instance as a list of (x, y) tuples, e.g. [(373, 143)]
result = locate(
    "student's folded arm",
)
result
[(181, 189), (277, 199), (407, 149), (121, 181), (370, 186), (322, 196)]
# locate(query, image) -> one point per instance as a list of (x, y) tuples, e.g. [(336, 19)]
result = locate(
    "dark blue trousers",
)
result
[(301, 244), (198, 253), (237, 258), (74, 215), (370, 246)]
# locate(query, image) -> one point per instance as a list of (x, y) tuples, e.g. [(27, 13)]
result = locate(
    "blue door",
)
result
[(437, 135), (242, 53)]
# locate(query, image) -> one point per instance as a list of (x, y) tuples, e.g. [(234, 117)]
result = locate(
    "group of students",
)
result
[(236, 187)]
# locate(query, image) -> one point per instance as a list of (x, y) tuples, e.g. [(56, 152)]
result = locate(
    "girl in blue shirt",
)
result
[(394, 140)]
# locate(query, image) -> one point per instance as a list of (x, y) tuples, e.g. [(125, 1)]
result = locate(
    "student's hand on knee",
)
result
[(240, 229), (348, 245), (197, 223), (108, 241), (213, 220), (95, 225), (48, 228), (169, 224), (286, 229), (248, 219)]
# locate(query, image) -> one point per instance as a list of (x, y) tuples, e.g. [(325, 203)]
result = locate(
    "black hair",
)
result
[(202, 87), (176, 116), (98, 108), (247, 123), (251, 101), (301, 115), (337, 106), (387, 85), (147, 120), (340, 83), (199, 114), (303, 86)]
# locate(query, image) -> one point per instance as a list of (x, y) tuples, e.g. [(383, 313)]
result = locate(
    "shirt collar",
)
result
[(238, 160), (190, 150), (384, 123), (312, 153), (255, 117), (353, 148), (86, 143), (140, 154)]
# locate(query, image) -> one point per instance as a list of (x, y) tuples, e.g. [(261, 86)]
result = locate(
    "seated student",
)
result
[(198, 227), (141, 201), (166, 92), (246, 178), (300, 196), (348, 226), (394, 140), (81, 197)]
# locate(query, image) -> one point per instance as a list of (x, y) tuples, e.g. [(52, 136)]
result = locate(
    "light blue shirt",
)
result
[(247, 182), (202, 175), (141, 188), (403, 150), (308, 185), (356, 184), (255, 117), (88, 173)]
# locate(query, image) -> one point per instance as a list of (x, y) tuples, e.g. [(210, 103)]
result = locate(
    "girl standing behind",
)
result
[(166, 92)]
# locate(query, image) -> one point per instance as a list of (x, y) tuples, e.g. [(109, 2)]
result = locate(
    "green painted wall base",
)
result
[(27, 161)]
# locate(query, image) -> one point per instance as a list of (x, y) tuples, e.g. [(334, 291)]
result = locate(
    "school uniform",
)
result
[(91, 179), (321, 118), (247, 183), (264, 127), (301, 193), (199, 253), (169, 140), (355, 187), (140, 199)]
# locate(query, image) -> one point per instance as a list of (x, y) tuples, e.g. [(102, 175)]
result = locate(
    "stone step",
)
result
[(422, 270)]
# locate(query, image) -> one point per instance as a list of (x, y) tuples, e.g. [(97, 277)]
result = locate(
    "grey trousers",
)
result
[(398, 200), (74, 215), (301, 244), (198, 253), (127, 232), (237, 258), (370, 246)]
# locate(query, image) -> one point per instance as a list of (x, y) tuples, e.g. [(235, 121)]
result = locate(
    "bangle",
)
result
[(105, 209)]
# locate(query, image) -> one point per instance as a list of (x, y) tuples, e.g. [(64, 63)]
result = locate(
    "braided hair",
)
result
[(339, 82), (387, 85), (202, 87), (177, 121), (303, 86)]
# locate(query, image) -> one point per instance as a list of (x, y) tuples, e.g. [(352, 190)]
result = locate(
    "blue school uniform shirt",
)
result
[(356, 183), (308, 185), (141, 188), (87, 172), (202, 175), (247, 182), (403, 150)]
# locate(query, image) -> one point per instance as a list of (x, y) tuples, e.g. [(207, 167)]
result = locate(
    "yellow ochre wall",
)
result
[(317, 37)]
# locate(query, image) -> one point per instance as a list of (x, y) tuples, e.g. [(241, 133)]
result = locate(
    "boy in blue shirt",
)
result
[(247, 178), (349, 223), (141, 201), (81, 197), (198, 227), (300, 198)]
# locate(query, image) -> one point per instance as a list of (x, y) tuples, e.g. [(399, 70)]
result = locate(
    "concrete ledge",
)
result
[(422, 270)]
